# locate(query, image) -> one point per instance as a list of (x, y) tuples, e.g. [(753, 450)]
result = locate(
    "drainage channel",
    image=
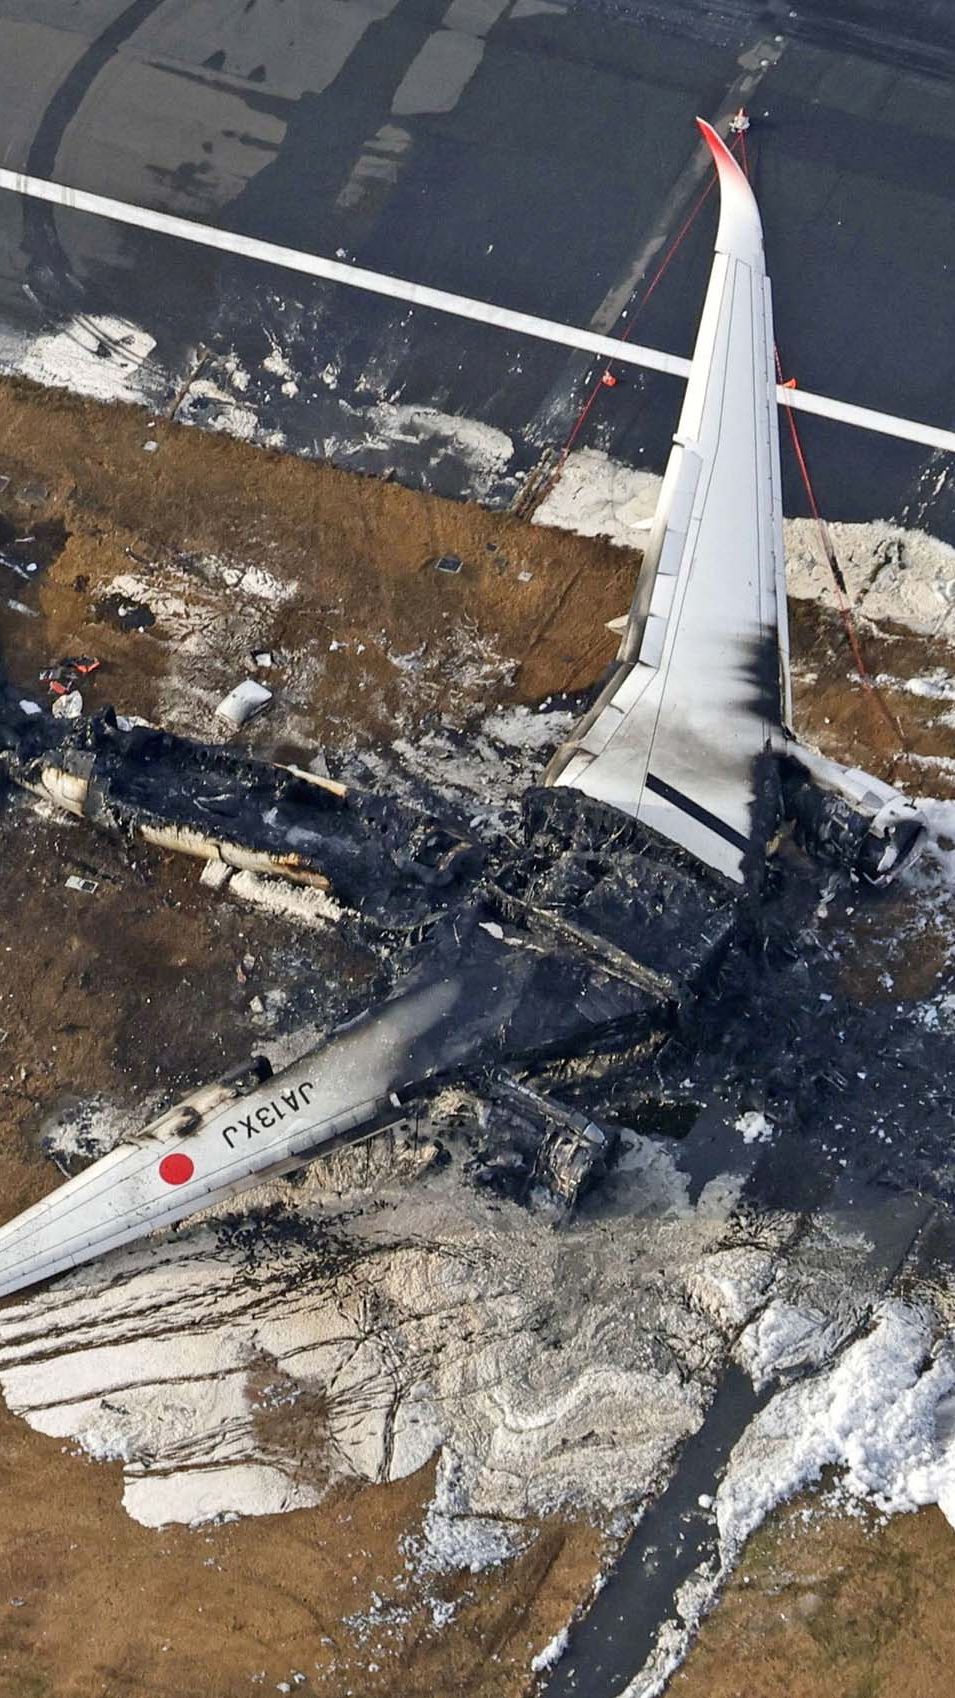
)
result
[(673, 1540), (678, 1536)]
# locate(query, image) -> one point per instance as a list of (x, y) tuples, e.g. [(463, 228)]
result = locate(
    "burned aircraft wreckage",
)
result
[(643, 860)]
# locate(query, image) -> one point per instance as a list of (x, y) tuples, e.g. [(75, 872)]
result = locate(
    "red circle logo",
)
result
[(176, 1169)]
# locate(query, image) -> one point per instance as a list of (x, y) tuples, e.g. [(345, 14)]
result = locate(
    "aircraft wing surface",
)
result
[(701, 681)]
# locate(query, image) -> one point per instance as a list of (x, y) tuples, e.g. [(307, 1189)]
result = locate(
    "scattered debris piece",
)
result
[(88, 886), (28, 551), (23, 569), (262, 657), (215, 875), (63, 675), (244, 702), (34, 494), (448, 563), (313, 908), (150, 446), (26, 706), (68, 705)]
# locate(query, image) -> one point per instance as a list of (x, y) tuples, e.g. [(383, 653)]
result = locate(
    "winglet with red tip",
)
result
[(740, 232)]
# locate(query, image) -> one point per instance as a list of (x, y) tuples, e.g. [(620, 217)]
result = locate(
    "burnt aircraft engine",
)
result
[(847, 818)]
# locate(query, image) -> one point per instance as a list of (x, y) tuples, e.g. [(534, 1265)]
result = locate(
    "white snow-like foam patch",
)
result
[(785, 1336), (244, 1365), (211, 405), (903, 576), (486, 451), (523, 728), (104, 357), (596, 495), (551, 1653), (937, 686), (278, 363), (755, 1127), (883, 1413), (906, 577)]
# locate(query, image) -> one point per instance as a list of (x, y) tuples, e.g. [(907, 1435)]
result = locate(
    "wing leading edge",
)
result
[(701, 683)]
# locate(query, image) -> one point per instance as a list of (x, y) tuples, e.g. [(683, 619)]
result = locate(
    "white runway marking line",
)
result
[(437, 300)]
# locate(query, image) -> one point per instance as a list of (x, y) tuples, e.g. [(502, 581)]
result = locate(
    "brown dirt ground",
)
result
[(136, 986), (361, 551), (92, 1603), (826, 1606), (890, 732)]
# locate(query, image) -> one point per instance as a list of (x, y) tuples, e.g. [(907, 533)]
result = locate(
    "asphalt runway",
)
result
[(528, 152)]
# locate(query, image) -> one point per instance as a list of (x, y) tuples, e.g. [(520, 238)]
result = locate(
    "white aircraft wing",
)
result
[(701, 685)]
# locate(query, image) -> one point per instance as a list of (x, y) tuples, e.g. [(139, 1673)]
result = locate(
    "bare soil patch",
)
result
[(828, 1606), (368, 638), (906, 738)]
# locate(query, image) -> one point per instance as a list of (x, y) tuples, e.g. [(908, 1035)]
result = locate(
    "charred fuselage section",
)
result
[(566, 953), (138, 782), (572, 950)]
